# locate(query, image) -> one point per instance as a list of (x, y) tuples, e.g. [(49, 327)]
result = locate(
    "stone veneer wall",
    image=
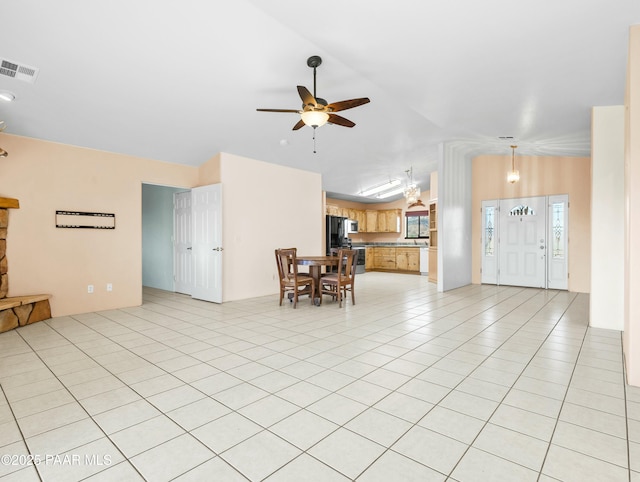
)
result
[(16, 310)]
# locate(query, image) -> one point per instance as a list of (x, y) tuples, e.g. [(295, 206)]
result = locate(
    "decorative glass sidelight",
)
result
[(558, 229), (522, 210), (489, 230)]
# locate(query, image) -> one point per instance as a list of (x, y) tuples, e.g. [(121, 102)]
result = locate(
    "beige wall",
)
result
[(631, 338), (46, 177), (265, 206), (539, 176)]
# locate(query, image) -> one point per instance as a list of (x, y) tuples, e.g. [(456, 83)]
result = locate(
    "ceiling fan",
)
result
[(316, 111)]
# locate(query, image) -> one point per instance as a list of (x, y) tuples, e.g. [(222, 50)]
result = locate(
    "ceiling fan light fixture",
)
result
[(314, 118)]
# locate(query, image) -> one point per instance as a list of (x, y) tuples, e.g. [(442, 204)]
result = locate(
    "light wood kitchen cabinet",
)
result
[(414, 260), (433, 242), (383, 221), (332, 210), (393, 220), (369, 259), (389, 221), (433, 225), (384, 258), (369, 220), (371, 223), (381, 225), (361, 217), (408, 259), (433, 264)]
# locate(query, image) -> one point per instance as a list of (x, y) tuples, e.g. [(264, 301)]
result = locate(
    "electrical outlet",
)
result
[(109, 287), (90, 289)]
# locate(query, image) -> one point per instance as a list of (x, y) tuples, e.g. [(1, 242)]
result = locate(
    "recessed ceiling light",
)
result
[(7, 96)]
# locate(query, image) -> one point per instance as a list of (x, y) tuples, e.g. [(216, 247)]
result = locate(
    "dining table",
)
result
[(315, 264)]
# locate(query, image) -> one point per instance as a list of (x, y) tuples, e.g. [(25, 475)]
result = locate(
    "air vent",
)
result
[(18, 71), (505, 138)]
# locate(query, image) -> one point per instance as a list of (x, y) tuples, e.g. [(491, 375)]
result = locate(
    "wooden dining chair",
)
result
[(290, 279), (332, 252), (337, 284)]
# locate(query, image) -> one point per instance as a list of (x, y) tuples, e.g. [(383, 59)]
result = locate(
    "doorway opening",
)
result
[(182, 240), (525, 242)]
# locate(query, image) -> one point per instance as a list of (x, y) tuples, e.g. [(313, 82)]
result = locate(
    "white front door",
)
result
[(523, 242), (206, 202), (182, 231)]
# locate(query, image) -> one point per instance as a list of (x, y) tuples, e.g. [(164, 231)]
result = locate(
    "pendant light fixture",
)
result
[(412, 193), (513, 176)]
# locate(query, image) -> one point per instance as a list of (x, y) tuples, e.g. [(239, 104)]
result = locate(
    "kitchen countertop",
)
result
[(391, 245)]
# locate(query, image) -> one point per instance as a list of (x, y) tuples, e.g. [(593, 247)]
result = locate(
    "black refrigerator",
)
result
[(335, 232)]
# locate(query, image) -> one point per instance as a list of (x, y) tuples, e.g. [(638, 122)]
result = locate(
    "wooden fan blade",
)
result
[(341, 121), (305, 95), (298, 125), (347, 104), (279, 110)]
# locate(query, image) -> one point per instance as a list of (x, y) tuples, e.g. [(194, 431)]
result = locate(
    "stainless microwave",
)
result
[(350, 226)]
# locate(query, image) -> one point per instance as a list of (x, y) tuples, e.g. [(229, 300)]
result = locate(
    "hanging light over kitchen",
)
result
[(412, 192)]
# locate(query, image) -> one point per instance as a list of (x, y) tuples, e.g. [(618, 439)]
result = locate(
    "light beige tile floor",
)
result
[(475, 384)]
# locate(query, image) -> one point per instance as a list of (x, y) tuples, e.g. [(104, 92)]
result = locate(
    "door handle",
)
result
[(218, 249), (189, 248)]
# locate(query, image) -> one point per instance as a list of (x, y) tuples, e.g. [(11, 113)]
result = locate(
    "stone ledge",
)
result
[(8, 202), (23, 310)]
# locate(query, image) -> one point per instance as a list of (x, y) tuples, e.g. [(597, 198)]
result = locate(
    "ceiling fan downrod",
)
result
[(314, 62)]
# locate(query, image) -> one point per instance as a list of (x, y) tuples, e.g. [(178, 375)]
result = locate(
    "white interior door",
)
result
[(182, 231), (206, 202), (522, 257), (490, 231)]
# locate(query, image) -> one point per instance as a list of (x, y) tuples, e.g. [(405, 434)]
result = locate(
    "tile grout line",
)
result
[(459, 383), (77, 401)]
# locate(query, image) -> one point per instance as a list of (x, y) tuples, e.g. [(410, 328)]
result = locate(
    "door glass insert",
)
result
[(558, 230), (489, 230), (522, 210)]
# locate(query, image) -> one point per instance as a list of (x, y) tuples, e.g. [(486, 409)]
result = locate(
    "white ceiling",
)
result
[(181, 81)]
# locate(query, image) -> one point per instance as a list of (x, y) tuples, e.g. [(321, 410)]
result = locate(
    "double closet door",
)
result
[(525, 242), (198, 242)]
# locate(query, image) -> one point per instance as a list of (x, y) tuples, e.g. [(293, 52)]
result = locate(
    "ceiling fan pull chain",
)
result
[(314, 140)]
